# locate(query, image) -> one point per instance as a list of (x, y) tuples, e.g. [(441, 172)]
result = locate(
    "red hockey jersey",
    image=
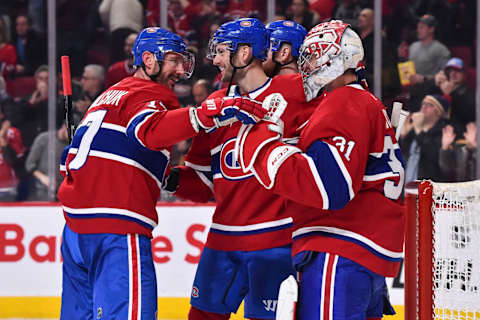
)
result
[(345, 184), (116, 162), (247, 217)]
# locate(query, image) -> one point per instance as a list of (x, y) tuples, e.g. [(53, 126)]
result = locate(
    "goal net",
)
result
[(442, 251)]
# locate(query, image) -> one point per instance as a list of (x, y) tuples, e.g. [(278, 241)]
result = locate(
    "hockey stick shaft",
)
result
[(67, 94)]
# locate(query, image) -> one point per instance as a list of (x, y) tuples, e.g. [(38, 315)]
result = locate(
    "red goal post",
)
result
[(442, 251)]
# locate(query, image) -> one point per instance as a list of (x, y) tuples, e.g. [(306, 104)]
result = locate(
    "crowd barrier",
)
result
[(31, 263)]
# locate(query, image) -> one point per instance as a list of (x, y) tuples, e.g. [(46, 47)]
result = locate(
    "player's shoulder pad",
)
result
[(291, 84)]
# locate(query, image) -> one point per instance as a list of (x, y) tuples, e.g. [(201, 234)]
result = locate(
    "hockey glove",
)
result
[(260, 151), (170, 183), (219, 112)]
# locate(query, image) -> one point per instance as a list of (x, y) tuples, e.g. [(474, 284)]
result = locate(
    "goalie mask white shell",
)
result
[(328, 50)]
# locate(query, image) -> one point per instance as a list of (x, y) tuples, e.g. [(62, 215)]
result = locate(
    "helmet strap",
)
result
[(235, 70), (153, 76)]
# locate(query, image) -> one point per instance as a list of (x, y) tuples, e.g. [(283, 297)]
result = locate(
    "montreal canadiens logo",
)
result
[(288, 23), (246, 23), (195, 293), (230, 167)]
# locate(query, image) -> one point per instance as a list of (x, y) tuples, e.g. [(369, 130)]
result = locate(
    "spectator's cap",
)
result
[(428, 19), (455, 63), (440, 102)]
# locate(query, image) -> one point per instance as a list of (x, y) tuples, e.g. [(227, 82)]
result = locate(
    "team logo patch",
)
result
[(152, 30), (229, 166), (246, 24), (288, 23), (195, 292)]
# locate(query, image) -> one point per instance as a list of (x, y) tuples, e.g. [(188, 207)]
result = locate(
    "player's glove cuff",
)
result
[(251, 139), (270, 160)]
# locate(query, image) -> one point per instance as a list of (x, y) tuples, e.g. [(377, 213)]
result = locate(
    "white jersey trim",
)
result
[(350, 234), (117, 211), (318, 181), (115, 127), (252, 227), (380, 176), (197, 167), (205, 180)]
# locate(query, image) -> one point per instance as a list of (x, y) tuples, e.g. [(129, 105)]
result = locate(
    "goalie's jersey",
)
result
[(247, 217), (345, 186), (115, 165)]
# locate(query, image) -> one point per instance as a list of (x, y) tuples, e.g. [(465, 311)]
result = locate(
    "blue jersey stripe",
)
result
[(331, 175), (349, 239), (251, 232), (132, 127), (109, 216), (117, 143)]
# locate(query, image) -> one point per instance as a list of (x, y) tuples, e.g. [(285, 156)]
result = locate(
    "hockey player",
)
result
[(286, 37), (247, 252), (113, 172), (342, 180)]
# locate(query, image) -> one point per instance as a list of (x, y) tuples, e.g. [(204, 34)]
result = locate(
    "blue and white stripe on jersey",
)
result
[(111, 142), (136, 122), (378, 167), (256, 228), (116, 213), (332, 177), (350, 236)]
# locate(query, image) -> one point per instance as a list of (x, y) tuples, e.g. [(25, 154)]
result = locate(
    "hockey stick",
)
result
[(67, 95), (287, 299), (398, 118)]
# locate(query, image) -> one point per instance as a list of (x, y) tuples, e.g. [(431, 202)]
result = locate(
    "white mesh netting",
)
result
[(456, 243)]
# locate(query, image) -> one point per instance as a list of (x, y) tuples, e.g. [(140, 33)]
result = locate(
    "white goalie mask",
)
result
[(329, 49)]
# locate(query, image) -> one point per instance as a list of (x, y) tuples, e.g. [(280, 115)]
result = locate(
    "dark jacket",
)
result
[(35, 52), (429, 143)]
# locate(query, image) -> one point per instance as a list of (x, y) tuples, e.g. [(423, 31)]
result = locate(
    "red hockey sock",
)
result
[(197, 314)]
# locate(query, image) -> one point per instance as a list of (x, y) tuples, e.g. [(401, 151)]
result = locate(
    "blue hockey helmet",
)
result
[(159, 42), (248, 31), (286, 31)]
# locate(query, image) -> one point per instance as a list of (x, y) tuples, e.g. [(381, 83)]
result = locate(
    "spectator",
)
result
[(428, 54), (121, 18), (31, 49), (347, 11), (390, 82), (323, 8), (421, 139), (458, 159), (34, 108), (178, 20), (8, 54), (11, 159), (301, 13), (429, 57), (122, 69), (37, 162), (201, 90), (92, 85), (462, 97)]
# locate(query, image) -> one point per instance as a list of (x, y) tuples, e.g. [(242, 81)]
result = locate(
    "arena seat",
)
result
[(464, 53), (21, 86)]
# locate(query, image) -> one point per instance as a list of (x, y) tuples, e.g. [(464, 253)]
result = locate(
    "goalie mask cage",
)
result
[(442, 251)]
